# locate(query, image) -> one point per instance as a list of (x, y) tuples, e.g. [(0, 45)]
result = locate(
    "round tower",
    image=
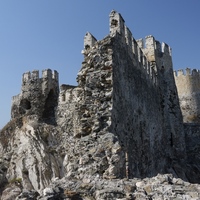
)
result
[(188, 86)]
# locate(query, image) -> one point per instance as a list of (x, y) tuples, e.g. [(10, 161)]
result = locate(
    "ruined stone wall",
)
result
[(66, 115), (123, 118), (38, 97), (146, 115), (84, 113), (135, 102), (188, 86)]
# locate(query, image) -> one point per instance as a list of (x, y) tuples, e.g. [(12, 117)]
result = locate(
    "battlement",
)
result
[(34, 75), (153, 48), (117, 25), (150, 43), (187, 82), (188, 87), (89, 40), (187, 72)]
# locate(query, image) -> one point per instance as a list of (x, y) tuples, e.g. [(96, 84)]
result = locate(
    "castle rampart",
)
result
[(136, 48), (124, 109), (116, 24), (188, 86), (34, 75), (136, 85), (123, 84), (36, 93), (89, 40)]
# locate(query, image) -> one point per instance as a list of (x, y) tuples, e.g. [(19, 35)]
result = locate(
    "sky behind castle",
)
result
[(41, 34)]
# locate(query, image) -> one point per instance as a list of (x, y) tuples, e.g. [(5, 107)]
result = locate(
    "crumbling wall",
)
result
[(123, 119), (124, 114), (38, 97)]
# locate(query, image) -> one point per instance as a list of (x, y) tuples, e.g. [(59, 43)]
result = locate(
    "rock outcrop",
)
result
[(119, 134)]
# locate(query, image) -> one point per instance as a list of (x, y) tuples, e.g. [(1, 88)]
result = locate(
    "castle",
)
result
[(124, 118)]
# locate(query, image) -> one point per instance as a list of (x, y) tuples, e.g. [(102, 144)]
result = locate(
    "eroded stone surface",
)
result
[(102, 138), (158, 187)]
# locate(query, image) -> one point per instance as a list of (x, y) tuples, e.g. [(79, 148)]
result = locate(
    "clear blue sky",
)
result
[(40, 34)]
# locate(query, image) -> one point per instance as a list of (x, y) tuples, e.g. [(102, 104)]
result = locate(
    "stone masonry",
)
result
[(122, 121), (38, 97), (125, 88), (188, 85)]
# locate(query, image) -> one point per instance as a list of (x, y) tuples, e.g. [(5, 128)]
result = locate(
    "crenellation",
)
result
[(55, 75), (180, 72), (188, 86), (26, 77), (121, 85), (89, 41), (47, 74), (35, 75), (195, 72), (140, 43), (166, 49), (35, 95), (150, 42), (188, 71), (149, 49), (143, 52), (158, 46), (116, 23)]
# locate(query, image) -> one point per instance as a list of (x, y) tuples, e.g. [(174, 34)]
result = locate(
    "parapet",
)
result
[(89, 40), (151, 47), (159, 49), (34, 75), (187, 81), (187, 73), (116, 23)]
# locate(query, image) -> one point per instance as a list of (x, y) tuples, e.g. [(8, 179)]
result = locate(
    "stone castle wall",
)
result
[(38, 97), (123, 119), (145, 111), (188, 85), (127, 95)]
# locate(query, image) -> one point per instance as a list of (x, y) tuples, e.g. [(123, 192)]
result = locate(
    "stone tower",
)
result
[(188, 85), (38, 97), (123, 119), (129, 91)]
